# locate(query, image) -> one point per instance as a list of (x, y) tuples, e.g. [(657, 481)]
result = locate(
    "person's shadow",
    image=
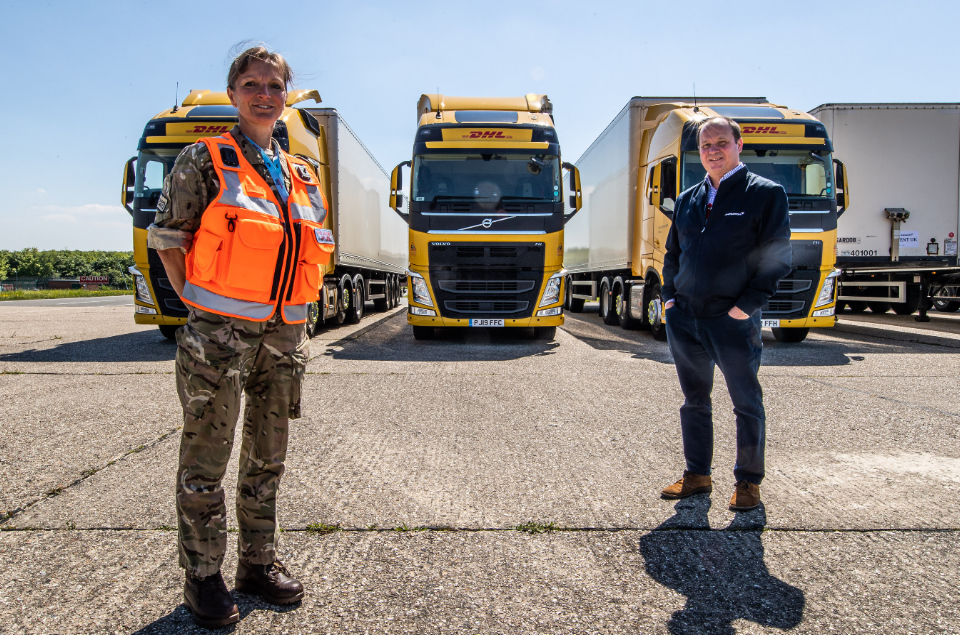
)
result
[(722, 573)]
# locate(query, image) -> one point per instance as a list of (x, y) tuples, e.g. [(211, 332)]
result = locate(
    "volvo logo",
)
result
[(487, 223)]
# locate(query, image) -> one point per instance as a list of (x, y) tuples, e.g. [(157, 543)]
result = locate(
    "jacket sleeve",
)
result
[(771, 259), (671, 259)]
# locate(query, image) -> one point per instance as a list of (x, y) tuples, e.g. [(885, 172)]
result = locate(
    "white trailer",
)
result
[(370, 260), (897, 241)]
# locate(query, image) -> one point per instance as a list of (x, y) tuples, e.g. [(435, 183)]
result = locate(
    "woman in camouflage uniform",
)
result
[(220, 357)]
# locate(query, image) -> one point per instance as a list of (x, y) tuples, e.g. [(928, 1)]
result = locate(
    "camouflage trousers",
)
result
[(218, 359)]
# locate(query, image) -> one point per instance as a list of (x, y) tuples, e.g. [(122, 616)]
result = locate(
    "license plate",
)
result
[(770, 323), (486, 322)]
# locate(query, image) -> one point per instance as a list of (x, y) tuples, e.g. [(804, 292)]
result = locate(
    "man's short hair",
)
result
[(719, 121)]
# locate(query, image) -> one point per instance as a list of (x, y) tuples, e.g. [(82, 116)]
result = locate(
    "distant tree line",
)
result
[(52, 264)]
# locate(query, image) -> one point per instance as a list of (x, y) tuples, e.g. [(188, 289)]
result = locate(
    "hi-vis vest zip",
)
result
[(251, 254)]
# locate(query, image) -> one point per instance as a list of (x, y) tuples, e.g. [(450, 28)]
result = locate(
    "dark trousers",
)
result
[(697, 345)]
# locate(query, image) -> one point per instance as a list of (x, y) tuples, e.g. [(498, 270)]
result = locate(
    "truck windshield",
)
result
[(803, 173), (488, 179)]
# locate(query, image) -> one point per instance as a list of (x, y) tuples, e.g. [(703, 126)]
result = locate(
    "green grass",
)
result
[(45, 294)]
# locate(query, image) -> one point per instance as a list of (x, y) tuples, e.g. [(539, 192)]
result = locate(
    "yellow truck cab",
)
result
[(649, 154), (486, 215)]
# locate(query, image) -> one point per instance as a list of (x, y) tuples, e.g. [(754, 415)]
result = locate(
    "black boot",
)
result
[(209, 601), (272, 582)]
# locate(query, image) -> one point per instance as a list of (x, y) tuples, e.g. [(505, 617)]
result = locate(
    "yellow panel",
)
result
[(501, 135), (485, 144)]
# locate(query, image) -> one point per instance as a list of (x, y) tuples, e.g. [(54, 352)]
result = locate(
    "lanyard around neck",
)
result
[(274, 167)]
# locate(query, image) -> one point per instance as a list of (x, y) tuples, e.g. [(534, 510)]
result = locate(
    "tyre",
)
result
[(621, 305), (790, 334), (879, 307), (545, 333), (944, 305), (314, 322), (912, 303), (422, 333), (344, 299), (607, 311), (355, 310), (574, 305), (857, 307), (169, 331), (656, 318)]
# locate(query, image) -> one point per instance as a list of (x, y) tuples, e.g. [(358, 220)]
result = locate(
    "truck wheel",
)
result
[(944, 305), (790, 334), (655, 312), (344, 298), (169, 331), (621, 304), (314, 321), (879, 307), (912, 303), (574, 305), (355, 311), (422, 333), (607, 311), (545, 333)]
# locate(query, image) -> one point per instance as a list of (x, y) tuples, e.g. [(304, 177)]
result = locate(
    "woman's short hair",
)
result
[(242, 62)]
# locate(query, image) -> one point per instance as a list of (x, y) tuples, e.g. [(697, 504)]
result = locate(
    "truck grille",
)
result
[(486, 278), (794, 295)]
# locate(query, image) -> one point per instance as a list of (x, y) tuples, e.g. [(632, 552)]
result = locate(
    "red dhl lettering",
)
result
[(762, 130), (486, 134), (208, 129)]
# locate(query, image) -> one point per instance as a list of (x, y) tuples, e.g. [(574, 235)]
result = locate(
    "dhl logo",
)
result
[(772, 129), (490, 135), (207, 129), (486, 135)]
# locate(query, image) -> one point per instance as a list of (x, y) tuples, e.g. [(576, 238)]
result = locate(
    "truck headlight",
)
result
[(421, 294), (140, 284), (826, 291), (551, 293)]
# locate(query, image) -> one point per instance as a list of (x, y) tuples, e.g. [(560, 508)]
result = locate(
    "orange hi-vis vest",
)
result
[(252, 254)]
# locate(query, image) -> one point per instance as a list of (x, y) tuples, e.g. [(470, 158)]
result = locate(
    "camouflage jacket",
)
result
[(191, 186)]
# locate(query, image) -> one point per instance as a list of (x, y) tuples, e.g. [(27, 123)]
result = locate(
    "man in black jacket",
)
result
[(727, 248)]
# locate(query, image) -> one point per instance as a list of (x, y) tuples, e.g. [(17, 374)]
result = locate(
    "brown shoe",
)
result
[(688, 485), (272, 582), (209, 601), (746, 496)]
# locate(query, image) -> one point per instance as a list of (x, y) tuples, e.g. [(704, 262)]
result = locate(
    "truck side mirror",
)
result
[(129, 184), (576, 194), (396, 186), (840, 180)]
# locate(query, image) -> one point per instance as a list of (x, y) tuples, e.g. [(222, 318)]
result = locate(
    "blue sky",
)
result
[(83, 77)]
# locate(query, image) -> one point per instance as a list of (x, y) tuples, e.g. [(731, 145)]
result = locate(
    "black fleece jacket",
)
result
[(734, 256)]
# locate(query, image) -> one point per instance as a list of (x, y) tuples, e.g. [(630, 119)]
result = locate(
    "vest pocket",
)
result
[(206, 248), (253, 256)]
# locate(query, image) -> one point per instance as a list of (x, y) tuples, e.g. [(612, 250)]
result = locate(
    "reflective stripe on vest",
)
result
[(239, 261)]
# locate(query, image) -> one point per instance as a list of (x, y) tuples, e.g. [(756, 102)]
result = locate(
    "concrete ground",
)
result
[(491, 483)]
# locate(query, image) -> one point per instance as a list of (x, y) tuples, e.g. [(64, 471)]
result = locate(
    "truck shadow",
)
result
[(140, 346), (722, 573)]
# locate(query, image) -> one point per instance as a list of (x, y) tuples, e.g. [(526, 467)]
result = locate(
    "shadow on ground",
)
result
[(722, 573), (140, 346), (180, 621)]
